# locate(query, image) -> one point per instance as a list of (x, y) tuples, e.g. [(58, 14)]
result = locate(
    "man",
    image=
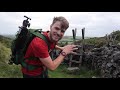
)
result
[(38, 48)]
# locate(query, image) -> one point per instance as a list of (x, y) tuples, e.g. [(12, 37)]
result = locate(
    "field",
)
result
[(14, 71), (62, 72)]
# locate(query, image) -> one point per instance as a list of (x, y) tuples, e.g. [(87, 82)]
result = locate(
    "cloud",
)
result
[(95, 23)]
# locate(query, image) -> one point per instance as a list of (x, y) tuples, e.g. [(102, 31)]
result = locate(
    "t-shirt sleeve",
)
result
[(40, 48)]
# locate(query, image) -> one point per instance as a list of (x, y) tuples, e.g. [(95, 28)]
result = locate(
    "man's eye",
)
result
[(56, 28), (62, 31)]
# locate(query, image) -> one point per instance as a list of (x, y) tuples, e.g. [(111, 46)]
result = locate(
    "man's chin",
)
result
[(55, 40)]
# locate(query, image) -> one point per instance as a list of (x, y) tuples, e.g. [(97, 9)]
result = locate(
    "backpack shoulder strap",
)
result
[(38, 34)]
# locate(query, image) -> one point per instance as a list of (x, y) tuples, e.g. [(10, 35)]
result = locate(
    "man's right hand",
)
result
[(69, 49)]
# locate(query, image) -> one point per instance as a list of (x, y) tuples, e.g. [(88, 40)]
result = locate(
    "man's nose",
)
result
[(59, 32)]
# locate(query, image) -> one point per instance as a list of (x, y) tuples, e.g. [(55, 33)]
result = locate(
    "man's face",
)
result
[(56, 32)]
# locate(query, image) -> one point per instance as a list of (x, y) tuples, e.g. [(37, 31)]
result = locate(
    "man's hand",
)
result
[(69, 49)]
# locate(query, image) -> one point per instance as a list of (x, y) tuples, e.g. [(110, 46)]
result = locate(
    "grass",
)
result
[(13, 71), (10, 71), (62, 72)]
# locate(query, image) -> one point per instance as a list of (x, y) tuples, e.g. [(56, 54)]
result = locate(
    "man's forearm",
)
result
[(58, 60)]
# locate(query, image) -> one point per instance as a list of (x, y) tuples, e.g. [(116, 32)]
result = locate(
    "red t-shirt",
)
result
[(37, 48)]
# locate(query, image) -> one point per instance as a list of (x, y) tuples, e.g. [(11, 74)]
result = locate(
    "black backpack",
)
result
[(20, 44)]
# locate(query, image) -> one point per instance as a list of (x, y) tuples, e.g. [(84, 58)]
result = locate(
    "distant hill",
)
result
[(9, 36), (6, 41), (98, 41)]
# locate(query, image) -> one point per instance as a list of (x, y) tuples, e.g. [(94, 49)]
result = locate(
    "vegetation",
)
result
[(13, 71), (6, 70), (5, 41), (117, 34), (10, 71), (96, 41), (62, 72)]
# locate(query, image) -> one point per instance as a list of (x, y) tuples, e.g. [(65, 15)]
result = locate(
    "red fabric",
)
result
[(37, 48)]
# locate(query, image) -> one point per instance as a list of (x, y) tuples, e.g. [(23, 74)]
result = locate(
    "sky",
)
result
[(96, 24)]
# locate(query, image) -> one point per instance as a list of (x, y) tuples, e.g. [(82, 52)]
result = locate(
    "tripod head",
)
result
[(26, 22)]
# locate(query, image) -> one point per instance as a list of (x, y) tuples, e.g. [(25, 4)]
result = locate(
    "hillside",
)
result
[(6, 70), (6, 41), (5, 44), (13, 71)]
